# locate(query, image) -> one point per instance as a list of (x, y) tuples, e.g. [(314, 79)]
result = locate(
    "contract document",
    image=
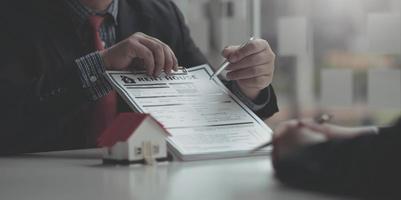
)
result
[(204, 118)]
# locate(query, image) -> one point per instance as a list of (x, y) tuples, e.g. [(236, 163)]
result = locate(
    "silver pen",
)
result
[(320, 119), (224, 65)]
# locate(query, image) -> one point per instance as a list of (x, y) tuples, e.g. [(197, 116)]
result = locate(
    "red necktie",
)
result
[(105, 109)]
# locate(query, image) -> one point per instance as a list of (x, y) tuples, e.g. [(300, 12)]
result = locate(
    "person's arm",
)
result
[(156, 57), (264, 104), (35, 100), (368, 164), (44, 96)]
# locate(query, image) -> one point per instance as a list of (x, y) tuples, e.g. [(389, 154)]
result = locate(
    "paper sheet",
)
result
[(202, 115)]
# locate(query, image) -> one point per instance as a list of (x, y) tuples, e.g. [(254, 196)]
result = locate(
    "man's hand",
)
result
[(252, 66), (149, 51), (291, 135), (339, 132)]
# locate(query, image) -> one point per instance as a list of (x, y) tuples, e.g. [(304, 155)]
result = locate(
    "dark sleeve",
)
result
[(189, 55), (367, 166), (37, 104), (266, 101)]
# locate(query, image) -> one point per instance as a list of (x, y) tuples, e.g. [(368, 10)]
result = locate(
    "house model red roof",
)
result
[(123, 127)]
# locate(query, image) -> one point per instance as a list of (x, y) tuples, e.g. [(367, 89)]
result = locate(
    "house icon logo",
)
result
[(127, 79)]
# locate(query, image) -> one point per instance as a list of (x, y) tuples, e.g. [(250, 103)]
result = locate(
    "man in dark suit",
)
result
[(361, 161), (54, 53)]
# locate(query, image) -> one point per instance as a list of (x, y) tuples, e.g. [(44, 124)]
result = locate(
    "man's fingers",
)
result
[(173, 58), (259, 82), (250, 72), (229, 50), (142, 52), (259, 58), (252, 47), (168, 53), (158, 54), (285, 128), (321, 128), (175, 65), (164, 57), (169, 62), (152, 38)]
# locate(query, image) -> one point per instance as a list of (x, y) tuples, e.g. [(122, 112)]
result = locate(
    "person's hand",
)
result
[(252, 66), (291, 135), (139, 47), (338, 132)]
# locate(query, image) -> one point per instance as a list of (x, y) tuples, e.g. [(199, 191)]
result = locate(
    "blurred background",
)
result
[(341, 57)]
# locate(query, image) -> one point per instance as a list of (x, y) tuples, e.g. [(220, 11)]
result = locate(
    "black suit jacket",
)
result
[(42, 100), (368, 166)]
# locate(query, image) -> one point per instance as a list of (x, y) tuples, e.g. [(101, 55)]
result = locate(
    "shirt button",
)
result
[(93, 79)]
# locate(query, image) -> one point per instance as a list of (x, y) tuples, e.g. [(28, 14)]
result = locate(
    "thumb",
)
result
[(320, 128), (229, 50)]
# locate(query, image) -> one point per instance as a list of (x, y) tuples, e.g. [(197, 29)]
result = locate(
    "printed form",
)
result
[(204, 118)]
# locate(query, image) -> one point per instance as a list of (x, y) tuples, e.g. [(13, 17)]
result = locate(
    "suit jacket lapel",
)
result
[(132, 19), (63, 34)]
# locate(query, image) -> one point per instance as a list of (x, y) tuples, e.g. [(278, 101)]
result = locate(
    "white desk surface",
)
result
[(80, 175)]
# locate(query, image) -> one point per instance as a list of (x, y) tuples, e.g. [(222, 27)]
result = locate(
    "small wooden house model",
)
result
[(134, 138)]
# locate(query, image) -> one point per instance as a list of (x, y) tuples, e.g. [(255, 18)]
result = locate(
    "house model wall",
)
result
[(147, 138)]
